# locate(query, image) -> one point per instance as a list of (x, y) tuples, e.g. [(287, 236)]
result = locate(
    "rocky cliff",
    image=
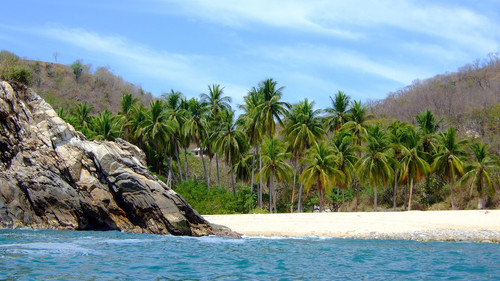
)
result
[(52, 177)]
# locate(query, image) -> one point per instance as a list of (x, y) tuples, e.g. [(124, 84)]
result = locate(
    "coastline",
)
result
[(470, 225)]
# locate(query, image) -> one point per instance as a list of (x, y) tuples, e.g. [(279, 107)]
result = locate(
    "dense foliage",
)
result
[(293, 157)]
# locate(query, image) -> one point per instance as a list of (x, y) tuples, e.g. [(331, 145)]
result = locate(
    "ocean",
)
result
[(87, 255)]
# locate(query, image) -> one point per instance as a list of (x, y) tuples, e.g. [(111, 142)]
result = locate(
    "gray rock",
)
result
[(51, 176)]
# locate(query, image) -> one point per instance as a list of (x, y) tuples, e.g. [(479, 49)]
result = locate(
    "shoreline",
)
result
[(470, 225)]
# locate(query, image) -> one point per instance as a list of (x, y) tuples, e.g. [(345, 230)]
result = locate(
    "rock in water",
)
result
[(52, 177)]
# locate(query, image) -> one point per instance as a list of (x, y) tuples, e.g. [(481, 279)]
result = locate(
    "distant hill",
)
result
[(468, 99), (67, 85)]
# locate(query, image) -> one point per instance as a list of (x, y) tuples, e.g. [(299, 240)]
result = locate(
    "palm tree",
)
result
[(157, 128), (250, 124), (196, 128), (274, 163), (428, 128), (127, 105), (177, 115), (322, 169), (448, 159), (230, 142), (397, 136), (414, 165), (337, 115), (482, 173), (375, 166), (105, 126), (271, 108), (82, 117), (302, 129), (216, 103), (134, 125), (357, 126), (342, 147)]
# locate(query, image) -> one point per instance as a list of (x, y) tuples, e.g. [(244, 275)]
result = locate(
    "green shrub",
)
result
[(19, 73)]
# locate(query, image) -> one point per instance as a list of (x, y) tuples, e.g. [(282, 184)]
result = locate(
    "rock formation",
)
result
[(51, 176)]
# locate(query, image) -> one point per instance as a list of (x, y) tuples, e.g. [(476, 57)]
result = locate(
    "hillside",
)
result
[(468, 99), (67, 85)]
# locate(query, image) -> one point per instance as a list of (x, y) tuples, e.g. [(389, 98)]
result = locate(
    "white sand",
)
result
[(362, 224)]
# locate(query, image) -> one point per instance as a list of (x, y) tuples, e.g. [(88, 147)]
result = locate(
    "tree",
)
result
[(271, 108), (177, 115), (82, 117), (78, 68), (322, 169), (230, 142), (196, 128), (428, 128), (274, 164), (374, 167), (302, 129), (105, 126), (127, 105), (337, 115), (342, 147), (397, 135), (414, 164), (448, 159), (482, 173)]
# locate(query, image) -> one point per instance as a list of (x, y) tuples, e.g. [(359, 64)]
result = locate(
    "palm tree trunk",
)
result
[(270, 185), (301, 187), (452, 197), (343, 200), (253, 172), (394, 191), (406, 196), (203, 161), (320, 196), (260, 180), (217, 165), (210, 168), (356, 184), (375, 195), (411, 195), (232, 177), (178, 162), (186, 163), (294, 182), (170, 170)]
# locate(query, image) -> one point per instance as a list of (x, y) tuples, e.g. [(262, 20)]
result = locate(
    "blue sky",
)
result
[(314, 48)]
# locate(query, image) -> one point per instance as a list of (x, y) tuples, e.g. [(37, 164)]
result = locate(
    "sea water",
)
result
[(72, 255)]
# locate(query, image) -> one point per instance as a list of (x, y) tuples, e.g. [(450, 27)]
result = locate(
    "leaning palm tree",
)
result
[(374, 167), (196, 128), (322, 170), (448, 159), (302, 130), (274, 164), (337, 115), (177, 115), (398, 132), (482, 173), (230, 142), (413, 161)]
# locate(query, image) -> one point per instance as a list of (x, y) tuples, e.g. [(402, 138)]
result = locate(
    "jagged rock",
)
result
[(51, 176)]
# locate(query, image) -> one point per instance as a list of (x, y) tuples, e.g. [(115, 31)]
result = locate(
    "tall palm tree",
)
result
[(230, 142), (342, 147), (82, 117), (357, 124), (322, 169), (302, 130), (216, 102), (414, 164), (374, 167), (482, 173), (177, 115), (134, 125), (397, 135), (105, 126), (274, 164), (196, 128), (337, 115), (448, 159), (271, 109)]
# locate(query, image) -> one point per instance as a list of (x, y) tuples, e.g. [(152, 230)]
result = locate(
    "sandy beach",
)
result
[(475, 225)]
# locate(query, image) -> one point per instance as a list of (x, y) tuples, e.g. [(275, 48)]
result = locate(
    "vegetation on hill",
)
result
[(292, 157)]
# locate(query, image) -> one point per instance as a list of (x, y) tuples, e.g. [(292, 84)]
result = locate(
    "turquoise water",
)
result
[(72, 255)]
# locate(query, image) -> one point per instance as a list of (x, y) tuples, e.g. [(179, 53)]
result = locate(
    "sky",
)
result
[(313, 48)]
